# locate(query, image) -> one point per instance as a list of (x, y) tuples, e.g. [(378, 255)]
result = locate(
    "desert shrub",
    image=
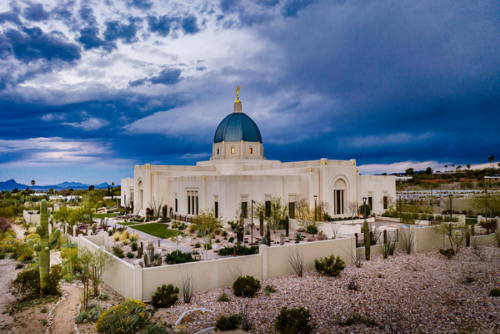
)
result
[(223, 297), (293, 321), (130, 255), (23, 252), (91, 315), (178, 256), (134, 246), (495, 292), (5, 224), (246, 286), (127, 317), (27, 282), (238, 250), (118, 251), (156, 329), (355, 319), (269, 289), (103, 296), (448, 252), (230, 322), (330, 265), (165, 296), (311, 229)]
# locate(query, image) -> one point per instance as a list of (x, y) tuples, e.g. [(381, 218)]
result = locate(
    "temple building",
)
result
[(238, 173)]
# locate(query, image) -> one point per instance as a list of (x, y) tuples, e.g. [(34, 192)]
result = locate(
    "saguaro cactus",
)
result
[(367, 241), (47, 242)]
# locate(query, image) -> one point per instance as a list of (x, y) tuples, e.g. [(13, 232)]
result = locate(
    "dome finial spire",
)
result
[(237, 94), (237, 102)]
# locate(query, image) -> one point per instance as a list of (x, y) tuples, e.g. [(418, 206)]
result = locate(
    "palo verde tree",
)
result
[(46, 243)]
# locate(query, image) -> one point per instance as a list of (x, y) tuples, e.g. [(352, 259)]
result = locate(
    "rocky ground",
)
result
[(423, 293)]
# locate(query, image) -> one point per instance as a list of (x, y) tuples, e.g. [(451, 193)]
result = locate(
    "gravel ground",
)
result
[(422, 293)]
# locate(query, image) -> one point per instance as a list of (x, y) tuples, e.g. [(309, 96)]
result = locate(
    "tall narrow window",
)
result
[(216, 209), (370, 203), (250, 150), (291, 210), (189, 203), (176, 205), (268, 208), (196, 204), (217, 151), (244, 209), (339, 197), (233, 150), (386, 202)]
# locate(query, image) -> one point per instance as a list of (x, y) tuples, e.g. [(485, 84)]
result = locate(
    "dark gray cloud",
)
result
[(169, 76), (35, 12), (126, 32), (160, 24), (189, 25), (31, 44)]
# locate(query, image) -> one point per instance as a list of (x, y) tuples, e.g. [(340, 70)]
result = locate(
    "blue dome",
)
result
[(237, 126)]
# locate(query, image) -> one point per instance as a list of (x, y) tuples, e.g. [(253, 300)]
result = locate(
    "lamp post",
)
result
[(315, 208), (364, 207), (251, 222), (451, 206)]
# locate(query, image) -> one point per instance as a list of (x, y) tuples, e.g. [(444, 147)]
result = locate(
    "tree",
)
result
[(428, 170), (410, 171), (278, 214), (206, 224), (491, 158), (33, 182)]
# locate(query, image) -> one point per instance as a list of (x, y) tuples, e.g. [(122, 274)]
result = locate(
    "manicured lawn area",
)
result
[(104, 215), (130, 223), (158, 230)]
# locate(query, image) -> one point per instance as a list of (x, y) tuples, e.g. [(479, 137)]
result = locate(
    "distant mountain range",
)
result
[(12, 184)]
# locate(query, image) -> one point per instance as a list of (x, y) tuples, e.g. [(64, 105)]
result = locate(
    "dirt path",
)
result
[(7, 274), (65, 312)]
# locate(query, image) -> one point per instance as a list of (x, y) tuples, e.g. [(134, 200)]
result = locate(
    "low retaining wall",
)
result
[(31, 217), (140, 283)]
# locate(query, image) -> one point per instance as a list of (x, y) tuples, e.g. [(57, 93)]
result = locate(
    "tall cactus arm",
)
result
[(54, 238)]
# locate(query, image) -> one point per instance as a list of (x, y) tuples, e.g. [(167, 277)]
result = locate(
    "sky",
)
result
[(89, 88)]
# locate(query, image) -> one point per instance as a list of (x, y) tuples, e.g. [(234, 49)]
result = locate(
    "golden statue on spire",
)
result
[(237, 93)]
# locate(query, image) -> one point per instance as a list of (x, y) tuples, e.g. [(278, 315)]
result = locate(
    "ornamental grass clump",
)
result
[(127, 317), (165, 296), (293, 321), (329, 266), (246, 286)]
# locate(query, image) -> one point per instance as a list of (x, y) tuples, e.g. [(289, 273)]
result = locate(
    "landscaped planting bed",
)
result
[(158, 230), (422, 293)]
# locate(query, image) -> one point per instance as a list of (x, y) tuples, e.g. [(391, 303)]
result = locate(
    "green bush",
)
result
[(293, 321), (230, 322), (130, 255), (118, 251), (91, 315), (178, 256), (269, 289), (311, 229), (238, 250), (27, 282), (165, 296), (495, 292), (157, 329), (223, 297), (448, 252), (330, 265), (133, 246), (246, 286), (127, 317)]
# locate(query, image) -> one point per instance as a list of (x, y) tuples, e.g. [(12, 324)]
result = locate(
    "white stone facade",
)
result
[(238, 172)]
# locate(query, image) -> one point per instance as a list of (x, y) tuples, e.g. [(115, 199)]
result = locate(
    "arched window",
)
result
[(339, 194), (250, 150)]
